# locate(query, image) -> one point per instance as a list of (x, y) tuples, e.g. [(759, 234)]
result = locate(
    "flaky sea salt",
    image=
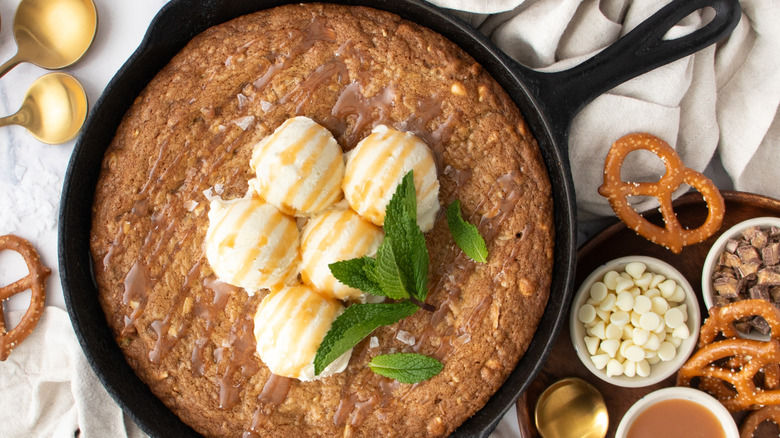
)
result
[(373, 342), (244, 122), (405, 337)]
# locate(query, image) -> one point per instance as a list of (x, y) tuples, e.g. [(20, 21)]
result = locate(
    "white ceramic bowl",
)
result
[(659, 371), (711, 262), (679, 393)]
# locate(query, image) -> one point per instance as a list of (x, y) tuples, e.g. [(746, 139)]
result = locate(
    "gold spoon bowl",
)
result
[(52, 34), (54, 109), (571, 408)]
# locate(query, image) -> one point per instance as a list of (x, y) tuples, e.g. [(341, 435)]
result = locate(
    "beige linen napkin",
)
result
[(720, 102), (47, 388)]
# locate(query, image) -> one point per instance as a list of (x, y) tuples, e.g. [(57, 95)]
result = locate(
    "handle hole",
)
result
[(692, 22)]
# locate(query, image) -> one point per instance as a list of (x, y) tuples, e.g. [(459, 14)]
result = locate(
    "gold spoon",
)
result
[(53, 110), (52, 34), (571, 408)]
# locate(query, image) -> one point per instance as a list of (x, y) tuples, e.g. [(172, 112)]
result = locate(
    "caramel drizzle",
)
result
[(241, 363), (273, 394)]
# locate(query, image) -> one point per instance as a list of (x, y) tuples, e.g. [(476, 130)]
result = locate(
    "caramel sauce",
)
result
[(273, 394), (676, 418)]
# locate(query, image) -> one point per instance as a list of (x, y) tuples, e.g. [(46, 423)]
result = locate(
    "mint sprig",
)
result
[(354, 324), (466, 235), (406, 367), (399, 272)]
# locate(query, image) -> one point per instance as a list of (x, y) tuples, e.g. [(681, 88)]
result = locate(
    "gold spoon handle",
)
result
[(21, 118), (11, 63)]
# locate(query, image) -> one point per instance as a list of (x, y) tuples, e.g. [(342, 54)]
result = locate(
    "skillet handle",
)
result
[(561, 95)]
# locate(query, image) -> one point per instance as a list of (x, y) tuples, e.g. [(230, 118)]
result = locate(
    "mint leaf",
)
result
[(466, 235), (406, 239), (357, 273), (389, 274), (406, 367), (357, 322)]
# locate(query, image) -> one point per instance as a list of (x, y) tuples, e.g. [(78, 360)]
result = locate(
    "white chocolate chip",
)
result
[(640, 336), (619, 318), (623, 346), (613, 331), (623, 284), (635, 353), (628, 332), (642, 304), (684, 309), (661, 329), (635, 291), (652, 343), (629, 368), (675, 341), (624, 301), (592, 344), (610, 346), (586, 313), (598, 291), (642, 368), (667, 288), (635, 318), (649, 321), (644, 281), (657, 279), (602, 314), (678, 296), (609, 302), (598, 330), (666, 351), (682, 332), (674, 318), (653, 360), (600, 360), (636, 269), (659, 305), (610, 280), (614, 368), (652, 293)]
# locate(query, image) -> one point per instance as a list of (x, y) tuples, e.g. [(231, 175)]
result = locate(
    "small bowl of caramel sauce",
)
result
[(677, 412)]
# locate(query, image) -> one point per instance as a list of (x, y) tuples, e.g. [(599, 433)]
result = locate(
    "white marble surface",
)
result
[(31, 173)]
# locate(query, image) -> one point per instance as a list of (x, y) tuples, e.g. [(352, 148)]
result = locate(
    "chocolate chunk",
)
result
[(748, 254), (759, 292), (727, 287), (774, 292), (750, 232), (760, 239), (731, 245), (742, 325), (768, 276), (760, 324), (721, 301), (771, 254), (730, 260), (749, 268)]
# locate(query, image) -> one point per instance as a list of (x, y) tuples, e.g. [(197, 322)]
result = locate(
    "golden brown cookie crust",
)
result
[(189, 337)]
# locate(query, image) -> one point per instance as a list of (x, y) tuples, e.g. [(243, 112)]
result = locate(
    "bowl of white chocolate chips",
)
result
[(634, 321)]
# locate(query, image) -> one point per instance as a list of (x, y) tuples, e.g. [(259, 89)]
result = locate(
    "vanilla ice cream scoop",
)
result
[(335, 235), (251, 244), (290, 324), (378, 164), (299, 168)]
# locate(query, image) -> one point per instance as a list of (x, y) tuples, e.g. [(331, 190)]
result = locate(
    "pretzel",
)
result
[(35, 281), (746, 395), (673, 236), (721, 319), (751, 423)]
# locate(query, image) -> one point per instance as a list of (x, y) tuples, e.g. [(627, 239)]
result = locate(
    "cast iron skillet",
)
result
[(548, 101)]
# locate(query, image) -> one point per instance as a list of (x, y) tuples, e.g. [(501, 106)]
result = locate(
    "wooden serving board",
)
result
[(617, 241)]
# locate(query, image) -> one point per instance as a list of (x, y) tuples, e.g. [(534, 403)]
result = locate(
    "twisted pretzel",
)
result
[(35, 281), (751, 423), (721, 319), (746, 395), (673, 236)]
